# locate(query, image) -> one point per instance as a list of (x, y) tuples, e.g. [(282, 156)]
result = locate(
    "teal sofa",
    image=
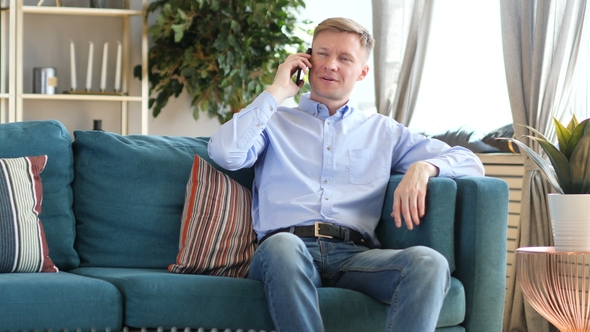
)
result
[(112, 211)]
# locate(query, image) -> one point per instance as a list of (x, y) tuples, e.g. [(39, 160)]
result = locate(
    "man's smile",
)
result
[(327, 78)]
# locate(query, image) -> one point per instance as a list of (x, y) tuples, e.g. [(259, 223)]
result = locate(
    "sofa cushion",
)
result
[(156, 298), (24, 248), (36, 138), (129, 195), (58, 302), (217, 236)]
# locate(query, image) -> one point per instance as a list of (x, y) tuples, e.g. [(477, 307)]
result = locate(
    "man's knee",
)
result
[(283, 242), (432, 267), (282, 255), (429, 259), (283, 248)]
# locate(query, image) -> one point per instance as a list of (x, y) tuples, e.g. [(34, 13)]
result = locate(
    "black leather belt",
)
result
[(325, 230)]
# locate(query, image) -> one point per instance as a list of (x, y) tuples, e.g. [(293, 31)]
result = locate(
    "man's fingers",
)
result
[(395, 213), (408, 210), (422, 206)]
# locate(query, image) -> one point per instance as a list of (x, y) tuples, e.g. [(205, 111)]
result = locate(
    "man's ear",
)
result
[(364, 73)]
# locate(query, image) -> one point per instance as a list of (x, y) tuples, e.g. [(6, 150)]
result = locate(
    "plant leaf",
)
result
[(178, 32), (535, 131), (542, 163), (573, 123), (563, 136), (561, 165), (181, 14), (580, 162), (579, 131)]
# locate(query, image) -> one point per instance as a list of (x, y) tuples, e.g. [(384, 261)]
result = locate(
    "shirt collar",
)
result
[(320, 110)]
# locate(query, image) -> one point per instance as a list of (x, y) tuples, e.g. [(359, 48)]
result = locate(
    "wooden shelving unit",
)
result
[(17, 13), (4, 95)]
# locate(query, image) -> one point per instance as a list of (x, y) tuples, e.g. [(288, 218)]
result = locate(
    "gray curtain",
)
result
[(401, 29), (541, 39)]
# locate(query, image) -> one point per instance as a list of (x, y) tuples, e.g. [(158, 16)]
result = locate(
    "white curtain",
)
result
[(541, 40), (401, 29)]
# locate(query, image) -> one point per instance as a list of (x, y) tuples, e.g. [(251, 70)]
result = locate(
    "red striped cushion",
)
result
[(22, 240), (216, 235)]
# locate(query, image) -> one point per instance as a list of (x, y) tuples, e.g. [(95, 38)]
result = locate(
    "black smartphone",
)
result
[(299, 74)]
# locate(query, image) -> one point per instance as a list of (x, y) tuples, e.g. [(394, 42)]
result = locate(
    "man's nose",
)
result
[(331, 63)]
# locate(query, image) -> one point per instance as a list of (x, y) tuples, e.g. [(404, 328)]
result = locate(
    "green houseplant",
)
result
[(568, 165), (224, 52), (568, 170)]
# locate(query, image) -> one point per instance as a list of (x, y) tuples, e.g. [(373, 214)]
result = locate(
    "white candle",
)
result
[(118, 69), (103, 74), (89, 71), (73, 65)]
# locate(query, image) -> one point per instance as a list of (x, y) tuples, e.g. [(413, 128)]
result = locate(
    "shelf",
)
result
[(80, 11), (13, 37), (88, 97)]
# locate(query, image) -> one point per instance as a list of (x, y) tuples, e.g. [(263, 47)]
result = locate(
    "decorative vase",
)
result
[(570, 220)]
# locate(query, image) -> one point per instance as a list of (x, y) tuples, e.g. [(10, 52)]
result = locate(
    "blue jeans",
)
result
[(414, 281)]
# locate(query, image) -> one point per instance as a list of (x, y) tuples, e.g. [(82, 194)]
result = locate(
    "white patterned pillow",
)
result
[(23, 246)]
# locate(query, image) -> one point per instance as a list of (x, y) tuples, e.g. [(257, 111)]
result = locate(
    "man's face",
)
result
[(338, 61)]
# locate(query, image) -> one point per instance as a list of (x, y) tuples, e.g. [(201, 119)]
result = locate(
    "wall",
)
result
[(47, 44)]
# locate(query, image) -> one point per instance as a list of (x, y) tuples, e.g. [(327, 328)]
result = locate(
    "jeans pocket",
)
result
[(366, 166)]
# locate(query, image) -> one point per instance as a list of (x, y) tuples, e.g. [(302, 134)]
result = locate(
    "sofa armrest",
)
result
[(481, 226), (437, 227)]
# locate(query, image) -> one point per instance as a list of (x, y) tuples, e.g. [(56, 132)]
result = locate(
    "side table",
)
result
[(557, 285)]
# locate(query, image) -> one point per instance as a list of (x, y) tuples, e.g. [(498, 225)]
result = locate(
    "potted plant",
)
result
[(223, 52), (568, 170)]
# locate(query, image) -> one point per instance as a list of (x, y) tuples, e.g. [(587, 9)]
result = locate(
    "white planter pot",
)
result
[(570, 220)]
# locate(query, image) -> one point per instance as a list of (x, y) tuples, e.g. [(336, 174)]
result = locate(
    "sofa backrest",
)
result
[(34, 138), (129, 195)]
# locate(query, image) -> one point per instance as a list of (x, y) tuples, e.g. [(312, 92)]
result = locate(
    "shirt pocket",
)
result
[(366, 166)]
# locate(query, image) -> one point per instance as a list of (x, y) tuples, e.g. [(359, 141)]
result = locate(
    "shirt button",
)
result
[(272, 108), (325, 181), (327, 199), (329, 148)]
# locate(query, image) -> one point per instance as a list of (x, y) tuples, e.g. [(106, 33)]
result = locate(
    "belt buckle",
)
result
[(316, 230)]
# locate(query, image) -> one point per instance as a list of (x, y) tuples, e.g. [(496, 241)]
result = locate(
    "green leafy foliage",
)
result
[(224, 52), (567, 167)]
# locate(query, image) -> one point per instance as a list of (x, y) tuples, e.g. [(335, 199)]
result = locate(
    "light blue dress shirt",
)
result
[(310, 166)]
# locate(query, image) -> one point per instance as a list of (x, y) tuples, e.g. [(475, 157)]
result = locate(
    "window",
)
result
[(463, 82), (579, 103)]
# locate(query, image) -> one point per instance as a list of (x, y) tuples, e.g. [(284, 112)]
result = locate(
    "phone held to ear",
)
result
[(299, 73)]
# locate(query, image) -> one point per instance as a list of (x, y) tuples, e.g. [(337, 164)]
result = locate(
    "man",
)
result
[(327, 162)]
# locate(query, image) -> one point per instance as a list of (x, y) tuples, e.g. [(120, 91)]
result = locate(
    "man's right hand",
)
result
[(283, 86)]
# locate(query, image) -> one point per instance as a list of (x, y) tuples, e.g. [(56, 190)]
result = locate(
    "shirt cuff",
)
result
[(443, 168), (265, 103)]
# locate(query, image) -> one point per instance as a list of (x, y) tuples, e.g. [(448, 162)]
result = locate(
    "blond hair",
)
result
[(342, 24)]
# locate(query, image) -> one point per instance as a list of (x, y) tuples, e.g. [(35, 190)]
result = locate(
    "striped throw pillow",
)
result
[(216, 236), (22, 240)]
